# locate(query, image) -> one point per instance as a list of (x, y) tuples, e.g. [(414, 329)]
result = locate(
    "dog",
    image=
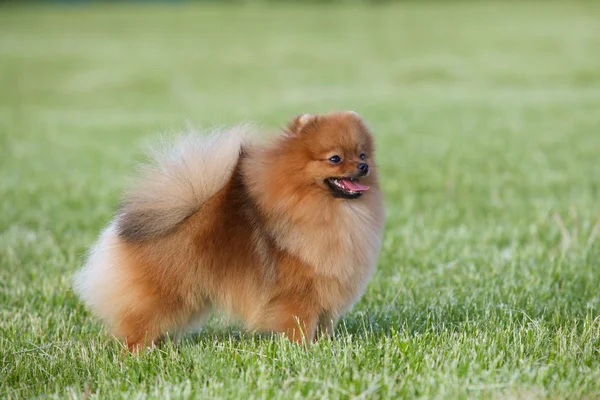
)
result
[(283, 235)]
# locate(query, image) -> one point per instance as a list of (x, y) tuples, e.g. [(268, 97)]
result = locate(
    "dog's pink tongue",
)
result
[(355, 186)]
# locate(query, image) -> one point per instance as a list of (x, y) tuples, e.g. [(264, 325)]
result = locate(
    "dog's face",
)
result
[(335, 151)]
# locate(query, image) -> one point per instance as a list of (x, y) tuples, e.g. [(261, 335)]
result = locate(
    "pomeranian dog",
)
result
[(283, 235)]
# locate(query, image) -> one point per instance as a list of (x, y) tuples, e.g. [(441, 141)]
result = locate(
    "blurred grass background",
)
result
[(488, 132)]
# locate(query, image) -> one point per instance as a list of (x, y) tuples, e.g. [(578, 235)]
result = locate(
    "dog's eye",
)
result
[(362, 156), (335, 159)]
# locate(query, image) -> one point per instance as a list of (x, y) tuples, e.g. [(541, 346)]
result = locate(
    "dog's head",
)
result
[(319, 163), (332, 152)]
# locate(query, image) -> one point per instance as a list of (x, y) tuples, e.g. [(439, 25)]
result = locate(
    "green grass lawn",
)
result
[(487, 119)]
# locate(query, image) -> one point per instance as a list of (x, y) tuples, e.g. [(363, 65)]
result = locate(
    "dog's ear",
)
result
[(358, 118), (302, 122)]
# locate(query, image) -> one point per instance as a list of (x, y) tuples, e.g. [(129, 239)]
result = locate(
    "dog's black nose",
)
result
[(363, 168)]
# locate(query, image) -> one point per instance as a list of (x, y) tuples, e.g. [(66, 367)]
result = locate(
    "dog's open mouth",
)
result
[(347, 188)]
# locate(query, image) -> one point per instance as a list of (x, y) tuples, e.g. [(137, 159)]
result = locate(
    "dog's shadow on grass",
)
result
[(363, 325), (418, 321)]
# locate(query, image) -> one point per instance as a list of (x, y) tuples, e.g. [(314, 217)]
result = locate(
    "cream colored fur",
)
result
[(180, 180)]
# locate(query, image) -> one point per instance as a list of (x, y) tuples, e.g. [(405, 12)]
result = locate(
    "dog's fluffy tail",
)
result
[(182, 177)]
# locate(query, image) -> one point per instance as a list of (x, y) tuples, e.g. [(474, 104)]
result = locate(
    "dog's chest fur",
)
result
[(342, 258)]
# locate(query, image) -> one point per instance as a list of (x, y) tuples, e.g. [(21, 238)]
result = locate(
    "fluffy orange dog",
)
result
[(283, 235)]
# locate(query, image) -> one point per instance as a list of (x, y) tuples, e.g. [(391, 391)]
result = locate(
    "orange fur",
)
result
[(270, 244)]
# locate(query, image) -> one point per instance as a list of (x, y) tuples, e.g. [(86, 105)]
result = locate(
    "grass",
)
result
[(488, 130)]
